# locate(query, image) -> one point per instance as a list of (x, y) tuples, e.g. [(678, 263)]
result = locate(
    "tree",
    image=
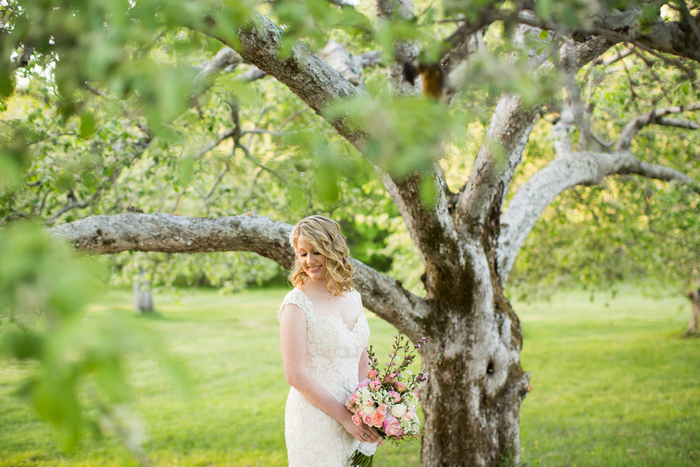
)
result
[(467, 239)]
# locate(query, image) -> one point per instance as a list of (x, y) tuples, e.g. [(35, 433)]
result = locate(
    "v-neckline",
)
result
[(311, 304)]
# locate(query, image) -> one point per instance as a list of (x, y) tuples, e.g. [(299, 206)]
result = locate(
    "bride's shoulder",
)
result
[(295, 297), (355, 295)]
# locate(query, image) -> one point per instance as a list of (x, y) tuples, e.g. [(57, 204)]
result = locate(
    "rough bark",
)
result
[(472, 401), (672, 37), (431, 230)]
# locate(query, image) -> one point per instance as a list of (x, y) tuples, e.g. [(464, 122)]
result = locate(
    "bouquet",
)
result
[(388, 401)]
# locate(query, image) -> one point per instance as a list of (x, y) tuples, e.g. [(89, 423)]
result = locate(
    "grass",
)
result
[(613, 385)]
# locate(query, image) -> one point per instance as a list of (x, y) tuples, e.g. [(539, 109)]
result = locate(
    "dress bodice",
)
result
[(333, 349)]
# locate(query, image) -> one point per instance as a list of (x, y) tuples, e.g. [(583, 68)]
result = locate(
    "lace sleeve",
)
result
[(358, 299), (292, 298)]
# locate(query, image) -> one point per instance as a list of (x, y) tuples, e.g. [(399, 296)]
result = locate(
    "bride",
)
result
[(323, 336)]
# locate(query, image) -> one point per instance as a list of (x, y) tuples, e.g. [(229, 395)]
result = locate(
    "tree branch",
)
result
[(671, 37), (506, 139), (567, 170), (307, 75), (178, 234), (431, 228), (614, 58), (226, 57), (653, 116)]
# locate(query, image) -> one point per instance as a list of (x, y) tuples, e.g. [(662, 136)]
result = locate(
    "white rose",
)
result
[(368, 409), (398, 410)]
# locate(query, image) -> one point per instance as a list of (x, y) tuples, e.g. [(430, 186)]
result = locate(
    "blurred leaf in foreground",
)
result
[(80, 358)]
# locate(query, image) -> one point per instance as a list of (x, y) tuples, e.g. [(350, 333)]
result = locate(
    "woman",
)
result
[(323, 335)]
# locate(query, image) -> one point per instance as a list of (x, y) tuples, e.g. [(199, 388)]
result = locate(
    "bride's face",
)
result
[(312, 262)]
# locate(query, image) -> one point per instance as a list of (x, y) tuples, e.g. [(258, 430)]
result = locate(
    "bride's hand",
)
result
[(362, 433)]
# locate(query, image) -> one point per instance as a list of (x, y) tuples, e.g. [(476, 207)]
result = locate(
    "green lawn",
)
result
[(612, 385)]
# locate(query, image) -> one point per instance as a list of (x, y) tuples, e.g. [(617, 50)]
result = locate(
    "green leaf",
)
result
[(185, 168), (87, 124)]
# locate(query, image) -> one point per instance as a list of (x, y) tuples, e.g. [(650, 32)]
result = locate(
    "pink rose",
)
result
[(392, 426), (382, 409), (375, 384), (371, 374), (357, 419), (400, 386), (409, 415), (377, 419), (389, 378), (351, 400), (367, 418)]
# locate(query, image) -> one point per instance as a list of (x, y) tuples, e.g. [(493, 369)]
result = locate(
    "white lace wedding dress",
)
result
[(313, 438)]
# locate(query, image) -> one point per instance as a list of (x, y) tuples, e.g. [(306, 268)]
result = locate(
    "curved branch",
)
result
[(178, 234), (567, 170), (654, 116), (672, 37)]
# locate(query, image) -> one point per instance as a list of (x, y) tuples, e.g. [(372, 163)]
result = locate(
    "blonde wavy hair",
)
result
[(325, 236)]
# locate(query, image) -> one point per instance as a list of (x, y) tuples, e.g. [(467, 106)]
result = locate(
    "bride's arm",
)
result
[(364, 366), (294, 351)]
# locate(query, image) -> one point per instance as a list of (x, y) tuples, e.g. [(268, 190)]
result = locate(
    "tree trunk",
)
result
[(143, 301), (471, 402), (694, 313)]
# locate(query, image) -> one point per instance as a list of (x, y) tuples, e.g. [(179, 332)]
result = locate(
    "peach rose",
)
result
[(400, 386), (357, 419), (377, 419)]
